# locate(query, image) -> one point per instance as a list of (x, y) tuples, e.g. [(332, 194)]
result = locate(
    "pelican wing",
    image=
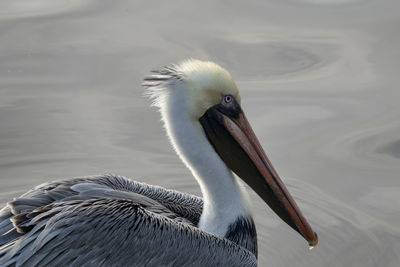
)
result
[(110, 220)]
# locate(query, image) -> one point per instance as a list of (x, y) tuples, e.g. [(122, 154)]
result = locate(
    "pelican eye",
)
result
[(227, 99)]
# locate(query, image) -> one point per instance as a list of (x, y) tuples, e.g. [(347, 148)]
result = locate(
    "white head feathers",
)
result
[(203, 83)]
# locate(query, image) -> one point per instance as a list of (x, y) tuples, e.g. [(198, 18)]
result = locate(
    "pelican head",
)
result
[(200, 106), (201, 85)]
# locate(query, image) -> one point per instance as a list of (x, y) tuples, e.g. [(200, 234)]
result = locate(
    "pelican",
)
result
[(114, 221)]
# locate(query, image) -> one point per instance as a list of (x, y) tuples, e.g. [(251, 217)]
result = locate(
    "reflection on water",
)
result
[(392, 149), (319, 83)]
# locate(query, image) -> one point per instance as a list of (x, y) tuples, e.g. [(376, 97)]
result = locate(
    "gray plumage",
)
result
[(113, 221)]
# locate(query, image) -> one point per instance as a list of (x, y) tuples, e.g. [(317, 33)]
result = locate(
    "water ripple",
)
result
[(26, 8), (343, 229)]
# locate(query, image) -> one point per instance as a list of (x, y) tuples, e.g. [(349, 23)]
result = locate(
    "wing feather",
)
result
[(126, 233), (110, 220)]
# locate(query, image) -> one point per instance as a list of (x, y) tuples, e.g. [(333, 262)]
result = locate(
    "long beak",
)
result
[(233, 139)]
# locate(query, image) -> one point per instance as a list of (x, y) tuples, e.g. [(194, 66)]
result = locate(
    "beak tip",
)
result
[(313, 243)]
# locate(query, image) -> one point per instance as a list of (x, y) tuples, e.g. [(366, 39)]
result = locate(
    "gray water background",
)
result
[(319, 81)]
